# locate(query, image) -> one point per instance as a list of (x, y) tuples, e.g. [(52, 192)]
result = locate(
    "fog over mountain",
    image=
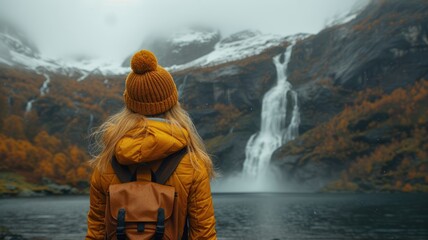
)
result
[(349, 101), (111, 29)]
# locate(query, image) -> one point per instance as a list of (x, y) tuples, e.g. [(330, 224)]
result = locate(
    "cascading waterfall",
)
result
[(29, 105), (45, 87), (273, 132), (182, 86), (91, 122)]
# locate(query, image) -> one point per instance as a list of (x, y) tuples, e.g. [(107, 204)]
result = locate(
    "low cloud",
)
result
[(114, 28)]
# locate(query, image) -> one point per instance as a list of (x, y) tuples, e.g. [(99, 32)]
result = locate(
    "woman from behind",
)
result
[(150, 128)]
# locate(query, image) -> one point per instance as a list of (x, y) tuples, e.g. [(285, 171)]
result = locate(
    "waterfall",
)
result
[(274, 132), (29, 105), (45, 87), (182, 86), (91, 122)]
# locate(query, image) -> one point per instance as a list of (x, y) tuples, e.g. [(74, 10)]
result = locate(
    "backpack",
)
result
[(141, 209)]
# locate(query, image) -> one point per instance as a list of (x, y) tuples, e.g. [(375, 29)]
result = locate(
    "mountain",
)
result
[(362, 88), (47, 108), (180, 47), (18, 51), (238, 46), (14, 42), (361, 85), (224, 98)]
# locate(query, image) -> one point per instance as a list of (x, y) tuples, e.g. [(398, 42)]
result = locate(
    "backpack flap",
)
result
[(141, 201)]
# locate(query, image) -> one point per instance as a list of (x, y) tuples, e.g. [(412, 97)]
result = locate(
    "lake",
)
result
[(249, 216)]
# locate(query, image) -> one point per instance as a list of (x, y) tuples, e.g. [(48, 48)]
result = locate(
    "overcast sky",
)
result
[(113, 29)]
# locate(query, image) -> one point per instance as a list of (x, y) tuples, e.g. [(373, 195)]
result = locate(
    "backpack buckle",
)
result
[(160, 225)]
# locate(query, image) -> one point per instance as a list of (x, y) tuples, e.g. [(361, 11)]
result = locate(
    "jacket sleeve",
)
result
[(96, 209), (200, 209)]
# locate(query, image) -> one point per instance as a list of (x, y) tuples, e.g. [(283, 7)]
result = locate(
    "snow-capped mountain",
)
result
[(191, 48), (180, 47), (13, 42), (236, 47), (16, 50)]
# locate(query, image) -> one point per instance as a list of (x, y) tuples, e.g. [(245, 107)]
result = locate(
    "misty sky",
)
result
[(113, 29)]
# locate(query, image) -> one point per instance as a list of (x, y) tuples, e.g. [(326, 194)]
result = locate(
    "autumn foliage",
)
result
[(45, 157), (50, 140), (381, 141)]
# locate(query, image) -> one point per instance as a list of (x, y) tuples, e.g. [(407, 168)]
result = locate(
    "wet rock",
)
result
[(309, 175), (10, 236), (11, 187), (363, 124), (228, 151), (27, 193), (59, 189), (380, 135)]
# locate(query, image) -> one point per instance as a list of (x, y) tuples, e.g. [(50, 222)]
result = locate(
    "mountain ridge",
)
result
[(360, 96)]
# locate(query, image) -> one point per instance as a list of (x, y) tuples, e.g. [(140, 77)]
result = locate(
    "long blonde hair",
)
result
[(117, 125)]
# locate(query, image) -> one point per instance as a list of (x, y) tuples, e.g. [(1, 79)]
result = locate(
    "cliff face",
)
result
[(385, 47), (224, 102), (348, 78)]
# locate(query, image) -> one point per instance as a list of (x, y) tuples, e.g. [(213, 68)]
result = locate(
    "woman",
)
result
[(150, 128)]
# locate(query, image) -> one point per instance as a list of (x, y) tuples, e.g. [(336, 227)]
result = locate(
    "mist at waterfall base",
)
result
[(258, 175), (240, 183)]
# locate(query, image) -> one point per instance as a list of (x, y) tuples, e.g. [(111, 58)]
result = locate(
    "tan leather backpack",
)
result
[(141, 209)]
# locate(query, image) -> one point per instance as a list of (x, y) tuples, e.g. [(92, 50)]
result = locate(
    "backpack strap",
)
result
[(122, 172), (186, 229), (164, 171), (168, 166)]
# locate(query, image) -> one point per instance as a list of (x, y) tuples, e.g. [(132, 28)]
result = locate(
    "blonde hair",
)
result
[(116, 126)]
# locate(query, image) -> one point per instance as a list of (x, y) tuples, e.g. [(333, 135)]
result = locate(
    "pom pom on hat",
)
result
[(143, 61)]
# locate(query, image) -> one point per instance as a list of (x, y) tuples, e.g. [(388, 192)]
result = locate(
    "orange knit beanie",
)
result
[(149, 88)]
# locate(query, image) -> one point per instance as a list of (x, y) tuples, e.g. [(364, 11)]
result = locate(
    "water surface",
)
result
[(249, 216)]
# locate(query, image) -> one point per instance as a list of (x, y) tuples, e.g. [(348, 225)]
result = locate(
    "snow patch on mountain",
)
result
[(16, 44), (79, 69), (236, 47), (17, 50), (186, 38)]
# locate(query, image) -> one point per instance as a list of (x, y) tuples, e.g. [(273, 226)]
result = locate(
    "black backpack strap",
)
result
[(121, 225), (186, 230), (164, 171), (122, 172), (160, 225), (168, 166)]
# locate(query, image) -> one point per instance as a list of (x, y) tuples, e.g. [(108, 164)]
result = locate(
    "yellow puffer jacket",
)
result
[(193, 187)]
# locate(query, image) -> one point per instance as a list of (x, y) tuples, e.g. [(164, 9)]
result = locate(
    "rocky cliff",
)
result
[(357, 84), (224, 102)]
